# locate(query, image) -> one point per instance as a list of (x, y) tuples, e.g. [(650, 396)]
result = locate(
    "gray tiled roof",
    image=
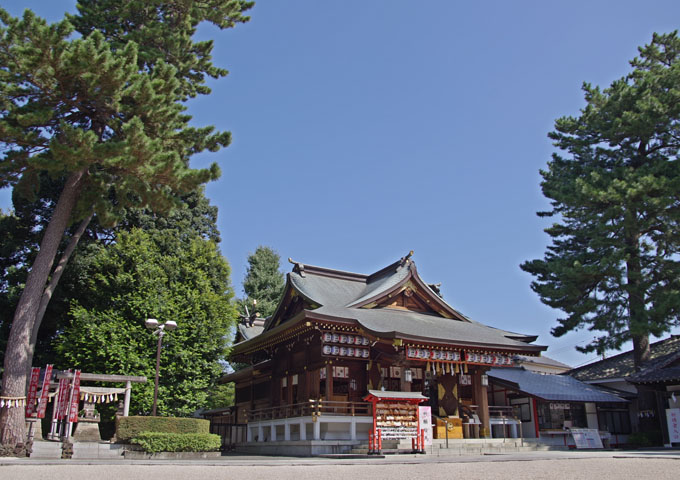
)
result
[(335, 294), (248, 332), (559, 388), (665, 368), (389, 322), (621, 365)]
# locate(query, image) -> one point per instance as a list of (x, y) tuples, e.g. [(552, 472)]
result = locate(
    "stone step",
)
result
[(460, 447), (85, 450), (42, 449)]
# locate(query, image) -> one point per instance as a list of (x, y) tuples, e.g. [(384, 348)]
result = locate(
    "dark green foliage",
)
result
[(163, 29), (154, 442), (263, 282), (78, 104), (130, 427), (613, 263), (645, 439), (155, 274), (194, 217), (220, 396)]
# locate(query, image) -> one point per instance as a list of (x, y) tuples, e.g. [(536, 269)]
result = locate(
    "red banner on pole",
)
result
[(75, 398), (42, 405), (62, 399), (32, 391)]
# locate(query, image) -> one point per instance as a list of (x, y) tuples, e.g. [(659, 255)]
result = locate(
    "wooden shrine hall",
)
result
[(337, 335)]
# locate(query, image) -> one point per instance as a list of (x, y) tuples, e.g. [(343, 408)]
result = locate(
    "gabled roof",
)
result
[(621, 365), (557, 388), (368, 300)]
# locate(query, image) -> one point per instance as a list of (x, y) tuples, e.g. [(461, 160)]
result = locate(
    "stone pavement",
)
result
[(656, 465), (255, 460)]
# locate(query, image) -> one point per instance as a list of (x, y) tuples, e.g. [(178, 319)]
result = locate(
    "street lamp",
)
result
[(152, 324)]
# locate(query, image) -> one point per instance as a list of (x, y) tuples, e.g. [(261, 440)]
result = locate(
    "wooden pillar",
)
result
[(482, 401), (289, 389), (329, 382), (306, 379)]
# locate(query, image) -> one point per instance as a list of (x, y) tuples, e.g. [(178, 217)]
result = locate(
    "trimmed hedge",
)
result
[(154, 442), (130, 427)]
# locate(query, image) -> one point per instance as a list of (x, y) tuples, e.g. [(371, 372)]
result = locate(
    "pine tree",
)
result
[(613, 265), (264, 281), (107, 121)]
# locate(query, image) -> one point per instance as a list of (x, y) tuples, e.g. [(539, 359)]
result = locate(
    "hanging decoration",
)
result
[(12, 402)]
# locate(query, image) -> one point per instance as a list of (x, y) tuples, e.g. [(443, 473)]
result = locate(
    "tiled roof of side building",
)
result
[(543, 360), (621, 365), (665, 368), (557, 388)]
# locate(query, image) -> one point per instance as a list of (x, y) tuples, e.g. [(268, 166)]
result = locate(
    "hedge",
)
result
[(130, 427), (154, 442)]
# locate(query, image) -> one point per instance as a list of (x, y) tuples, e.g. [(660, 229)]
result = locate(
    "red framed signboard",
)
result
[(75, 398), (396, 415), (42, 406), (32, 391), (62, 399)]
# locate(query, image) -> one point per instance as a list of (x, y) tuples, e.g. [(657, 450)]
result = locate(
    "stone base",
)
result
[(140, 455), (298, 448), (87, 432), (34, 429)]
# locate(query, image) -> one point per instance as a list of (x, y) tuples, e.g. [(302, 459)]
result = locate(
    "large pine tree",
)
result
[(613, 265), (106, 119)]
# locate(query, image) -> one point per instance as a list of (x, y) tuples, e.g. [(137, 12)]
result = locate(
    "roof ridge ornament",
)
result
[(299, 267), (405, 259)]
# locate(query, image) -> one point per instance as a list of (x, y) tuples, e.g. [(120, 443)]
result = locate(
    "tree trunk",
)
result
[(12, 424), (637, 325), (54, 281)]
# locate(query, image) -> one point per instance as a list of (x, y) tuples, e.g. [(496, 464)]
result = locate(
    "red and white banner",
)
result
[(32, 391), (75, 398), (62, 399), (42, 405)]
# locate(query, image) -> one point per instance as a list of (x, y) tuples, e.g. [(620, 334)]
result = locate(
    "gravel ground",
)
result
[(587, 468)]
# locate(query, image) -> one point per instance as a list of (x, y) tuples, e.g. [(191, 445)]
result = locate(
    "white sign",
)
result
[(425, 423), (586, 438), (673, 419)]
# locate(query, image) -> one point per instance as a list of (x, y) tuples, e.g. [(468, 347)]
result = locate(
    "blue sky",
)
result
[(365, 129)]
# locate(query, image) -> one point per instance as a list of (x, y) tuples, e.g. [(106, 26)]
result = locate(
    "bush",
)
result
[(645, 439), (130, 427), (154, 442)]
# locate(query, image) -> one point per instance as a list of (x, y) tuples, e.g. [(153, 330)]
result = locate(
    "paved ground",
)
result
[(659, 465)]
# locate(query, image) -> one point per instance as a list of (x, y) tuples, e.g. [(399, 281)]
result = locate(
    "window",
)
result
[(521, 410), (553, 415)]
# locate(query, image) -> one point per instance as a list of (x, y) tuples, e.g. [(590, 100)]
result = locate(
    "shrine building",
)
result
[(307, 370)]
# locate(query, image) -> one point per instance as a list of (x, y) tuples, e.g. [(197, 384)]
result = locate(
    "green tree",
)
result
[(154, 274), (107, 124), (613, 263), (263, 282)]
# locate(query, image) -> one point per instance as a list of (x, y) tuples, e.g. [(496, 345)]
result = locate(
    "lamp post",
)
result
[(152, 324)]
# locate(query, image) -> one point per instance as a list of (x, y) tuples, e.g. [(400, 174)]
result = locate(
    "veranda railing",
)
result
[(311, 408)]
